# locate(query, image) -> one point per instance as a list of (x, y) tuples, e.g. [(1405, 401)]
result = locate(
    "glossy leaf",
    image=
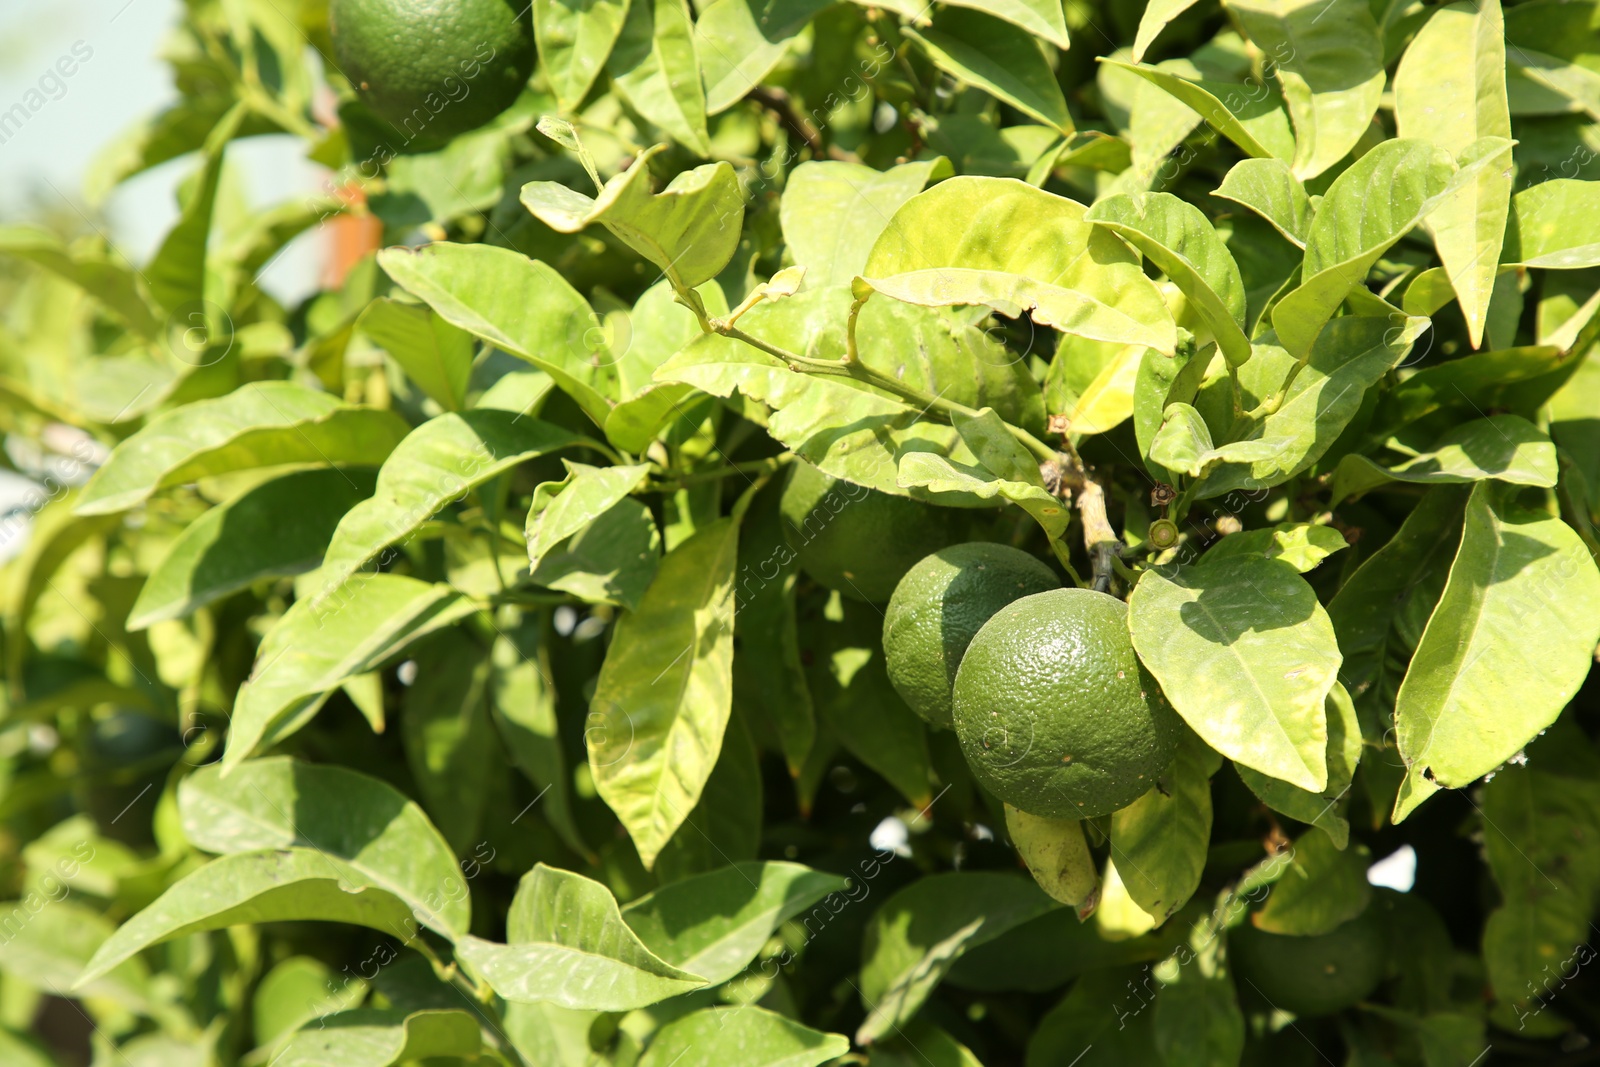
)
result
[(280, 885), (519, 305), (262, 424), (569, 946), (437, 463), (610, 561), (1302, 545), (280, 803), (575, 37), (688, 230), (176, 274), (113, 284), (1002, 60), (1157, 14), (750, 1036), (1460, 54), (1179, 239), (1351, 355), (833, 212), (1328, 58), (1553, 225), (739, 42), (1250, 117), (1246, 655), (1344, 751), (1159, 841), (654, 67), (371, 1037), (561, 509), (918, 934), (1523, 592), (1320, 888), (665, 690), (1269, 188), (1506, 448), (321, 642), (433, 353), (958, 243), (1184, 444), (49, 939), (1056, 853), (938, 475), (1353, 227), (278, 529), (715, 924)]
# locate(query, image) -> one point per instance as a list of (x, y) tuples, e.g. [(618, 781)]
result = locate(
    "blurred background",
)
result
[(45, 157)]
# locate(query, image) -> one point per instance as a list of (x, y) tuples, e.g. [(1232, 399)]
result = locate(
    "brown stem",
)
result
[(1099, 536), (781, 104)]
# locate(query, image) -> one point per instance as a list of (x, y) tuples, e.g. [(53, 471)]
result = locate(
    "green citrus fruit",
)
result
[(1312, 975), (937, 608), (1055, 713), (433, 68), (858, 540)]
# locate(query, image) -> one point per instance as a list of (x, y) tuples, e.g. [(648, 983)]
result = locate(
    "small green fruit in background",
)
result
[(938, 608), (433, 69), (1055, 713), (1312, 975), (858, 540)]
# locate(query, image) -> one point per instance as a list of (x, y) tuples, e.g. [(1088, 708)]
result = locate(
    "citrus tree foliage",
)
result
[(431, 671)]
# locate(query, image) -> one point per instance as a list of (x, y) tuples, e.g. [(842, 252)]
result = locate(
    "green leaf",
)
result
[(369, 1037), (914, 939), (769, 678), (320, 643), (747, 1035), (1159, 841), (278, 529), (1344, 751), (1056, 853), (367, 824), (1197, 1021), (1247, 656), (1184, 444), (938, 475), (1100, 1021), (1506, 448), (1538, 820), (176, 274), (1002, 60), (1163, 380), (739, 42), (1460, 54), (1178, 238), (436, 464), (261, 424), (1246, 115), (113, 284), (569, 946), (561, 509), (1006, 245), (1554, 225), (1353, 227), (575, 37), (517, 304), (447, 736), (433, 353), (654, 68), (665, 690), (724, 826), (715, 924), (49, 938), (281, 885), (522, 703), (1328, 56), (1269, 188), (689, 230), (1302, 545), (1157, 14), (1352, 355), (1509, 643), (832, 212), (610, 561), (1321, 888)]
